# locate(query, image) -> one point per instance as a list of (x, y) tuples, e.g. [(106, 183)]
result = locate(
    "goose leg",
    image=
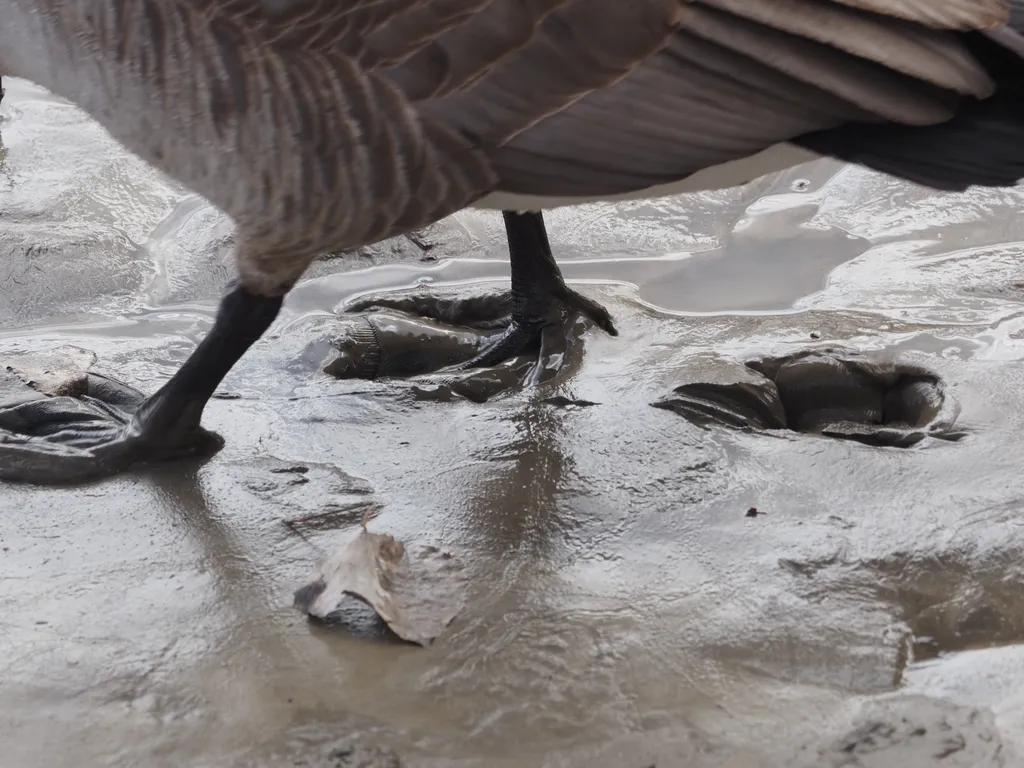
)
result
[(114, 426), (539, 293)]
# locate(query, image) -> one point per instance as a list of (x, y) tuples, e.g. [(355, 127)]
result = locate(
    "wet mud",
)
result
[(620, 607), (831, 392)]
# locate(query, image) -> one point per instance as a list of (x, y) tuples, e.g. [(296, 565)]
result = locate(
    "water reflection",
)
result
[(517, 503)]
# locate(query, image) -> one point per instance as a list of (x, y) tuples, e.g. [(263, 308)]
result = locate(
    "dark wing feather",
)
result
[(983, 145), (727, 86), (594, 97), (937, 57)]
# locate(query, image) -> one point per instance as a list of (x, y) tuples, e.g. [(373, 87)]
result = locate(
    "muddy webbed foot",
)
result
[(536, 318), (540, 300), (108, 427), (537, 322), (68, 439)]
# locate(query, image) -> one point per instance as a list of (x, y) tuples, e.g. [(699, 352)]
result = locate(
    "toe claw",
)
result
[(600, 316)]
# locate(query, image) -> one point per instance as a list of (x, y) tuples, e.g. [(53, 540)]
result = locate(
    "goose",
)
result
[(323, 125)]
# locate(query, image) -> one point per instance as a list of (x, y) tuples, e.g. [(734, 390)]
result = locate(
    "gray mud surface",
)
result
[(622, 609)]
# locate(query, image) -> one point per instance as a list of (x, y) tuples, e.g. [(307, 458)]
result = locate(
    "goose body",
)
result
[(323, 125), (320, 125)]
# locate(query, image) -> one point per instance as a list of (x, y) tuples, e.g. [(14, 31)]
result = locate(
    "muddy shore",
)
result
[(623, 610)]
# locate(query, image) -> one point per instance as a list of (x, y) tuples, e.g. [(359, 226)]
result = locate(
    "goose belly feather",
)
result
[(733, 173)]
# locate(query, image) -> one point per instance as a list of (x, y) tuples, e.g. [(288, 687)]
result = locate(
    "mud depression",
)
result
[(660, 562)]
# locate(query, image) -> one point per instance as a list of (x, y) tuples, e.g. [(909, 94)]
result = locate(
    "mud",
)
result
[(834, 392), (621, 608)]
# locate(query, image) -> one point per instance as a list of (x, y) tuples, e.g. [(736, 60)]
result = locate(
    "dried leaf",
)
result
[(416, 593)]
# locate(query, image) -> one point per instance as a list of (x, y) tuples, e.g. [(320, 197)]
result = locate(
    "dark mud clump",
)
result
[(361, 756), (350, 753), (831, 392)]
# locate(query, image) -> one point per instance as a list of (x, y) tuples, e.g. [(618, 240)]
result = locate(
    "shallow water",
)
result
[(625, 611)]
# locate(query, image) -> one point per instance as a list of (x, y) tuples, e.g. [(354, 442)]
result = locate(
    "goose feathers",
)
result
[(364, 118)]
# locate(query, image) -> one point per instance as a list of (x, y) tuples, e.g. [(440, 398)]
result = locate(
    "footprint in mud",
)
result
[(832, 392), (429, 336), (956, 599), (829, 391)]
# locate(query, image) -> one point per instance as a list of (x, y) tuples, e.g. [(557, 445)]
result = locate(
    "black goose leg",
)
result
[(539, 293), (113, 426)]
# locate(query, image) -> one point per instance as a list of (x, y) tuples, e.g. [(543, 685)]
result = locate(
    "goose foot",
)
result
[(529, 328), (530, 319), (112, 426), (540, 299), (61, 440)]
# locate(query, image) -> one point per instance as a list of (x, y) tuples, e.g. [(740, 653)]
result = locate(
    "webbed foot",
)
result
[(110, 426), (72, 439)]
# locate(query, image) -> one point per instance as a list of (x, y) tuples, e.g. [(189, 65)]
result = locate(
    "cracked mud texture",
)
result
[(623, 610)]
